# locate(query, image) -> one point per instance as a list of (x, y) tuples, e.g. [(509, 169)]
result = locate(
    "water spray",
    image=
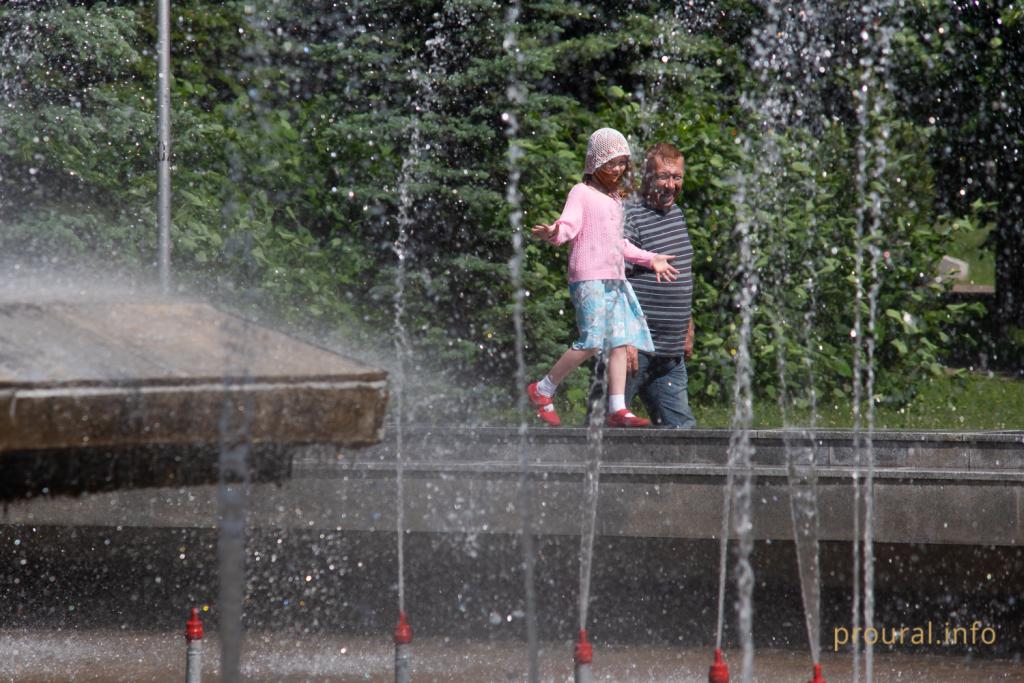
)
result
[(403, 650), (517, 97), (719, 672), (194, 649), (233, 490), (403, 632), (583, 655)]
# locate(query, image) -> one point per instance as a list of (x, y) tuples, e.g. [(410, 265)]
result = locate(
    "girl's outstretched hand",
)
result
[(662, 269), (545, 232)]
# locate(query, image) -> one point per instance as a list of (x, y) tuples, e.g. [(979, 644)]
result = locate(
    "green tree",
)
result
[(304, 132)]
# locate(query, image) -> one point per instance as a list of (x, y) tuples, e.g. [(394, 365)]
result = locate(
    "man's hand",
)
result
[(688, 344), (632, 362), (662, 269), (545, 232)]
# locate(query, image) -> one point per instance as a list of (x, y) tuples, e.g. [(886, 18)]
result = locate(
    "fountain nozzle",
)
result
[(403, 652), (719, 672), (403, 632), (194, 648), (584, 655), (584, 652), (193, 627), (817, 675)]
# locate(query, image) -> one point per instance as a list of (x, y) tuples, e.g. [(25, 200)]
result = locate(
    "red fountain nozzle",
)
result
[(194, 627), (719, 672), (817, 675), (403, 632), (584, 652)]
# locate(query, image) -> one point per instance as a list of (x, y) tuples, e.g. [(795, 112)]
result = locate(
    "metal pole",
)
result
[(163, 108), (193, 662)]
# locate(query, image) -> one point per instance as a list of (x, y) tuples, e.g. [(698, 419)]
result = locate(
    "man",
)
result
[(657, 224)]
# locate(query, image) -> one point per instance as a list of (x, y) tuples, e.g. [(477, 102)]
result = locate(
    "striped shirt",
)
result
[(666, 304)]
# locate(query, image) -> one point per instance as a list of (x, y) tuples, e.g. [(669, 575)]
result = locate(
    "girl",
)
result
[(607, 312)]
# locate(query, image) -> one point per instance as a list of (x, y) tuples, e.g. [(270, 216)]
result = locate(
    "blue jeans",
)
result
[(661, 382)]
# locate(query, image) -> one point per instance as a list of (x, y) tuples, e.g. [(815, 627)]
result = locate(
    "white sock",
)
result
[(546, 387), (616, 402)]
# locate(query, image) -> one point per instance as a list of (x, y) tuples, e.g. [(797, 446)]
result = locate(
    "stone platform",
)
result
[(98, 395)]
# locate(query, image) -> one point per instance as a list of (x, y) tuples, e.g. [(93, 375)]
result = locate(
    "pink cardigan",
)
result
[(592, 222)]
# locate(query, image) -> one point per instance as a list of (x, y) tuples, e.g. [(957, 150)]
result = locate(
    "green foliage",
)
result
[(304, 132), (959, 74)]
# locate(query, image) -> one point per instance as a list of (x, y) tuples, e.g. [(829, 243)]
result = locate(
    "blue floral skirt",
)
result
[(607, 312)]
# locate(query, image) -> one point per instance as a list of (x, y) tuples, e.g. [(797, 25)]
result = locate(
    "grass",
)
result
[(981, 261), (977, 402)]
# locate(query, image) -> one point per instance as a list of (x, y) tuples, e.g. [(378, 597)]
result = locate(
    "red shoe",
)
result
[(624, 418), (544, 405)]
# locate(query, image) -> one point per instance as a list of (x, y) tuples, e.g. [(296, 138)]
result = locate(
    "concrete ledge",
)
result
[(52, 474), (653, 484), (923, 450)]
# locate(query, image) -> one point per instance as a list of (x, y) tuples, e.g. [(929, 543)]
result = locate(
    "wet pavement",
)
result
[(112, 656)]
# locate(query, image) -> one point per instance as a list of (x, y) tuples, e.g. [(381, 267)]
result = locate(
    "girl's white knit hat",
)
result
[(604, 145)]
